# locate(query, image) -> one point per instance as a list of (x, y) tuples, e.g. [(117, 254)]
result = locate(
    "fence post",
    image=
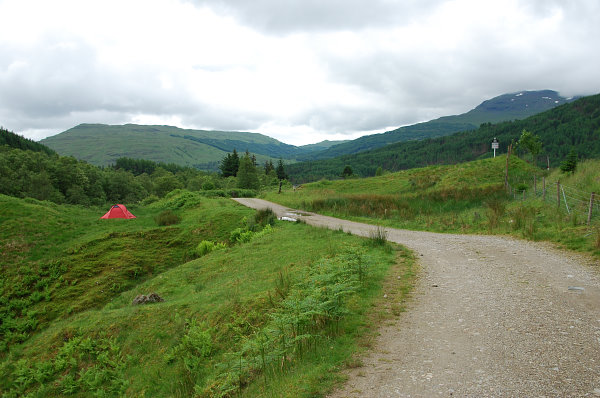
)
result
[(558, 194), (544, 182), (589, 220), (506, 169)]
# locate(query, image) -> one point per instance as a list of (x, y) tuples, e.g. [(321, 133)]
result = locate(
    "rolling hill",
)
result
[(498, 109), (102, 144)]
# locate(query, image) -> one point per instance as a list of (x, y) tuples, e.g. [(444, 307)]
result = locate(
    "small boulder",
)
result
[(145, 299)]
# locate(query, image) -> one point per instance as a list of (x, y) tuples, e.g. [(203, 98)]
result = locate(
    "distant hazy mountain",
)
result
[(519, 105)]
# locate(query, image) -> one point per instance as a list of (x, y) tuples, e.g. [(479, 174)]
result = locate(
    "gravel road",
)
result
[(490, 316)]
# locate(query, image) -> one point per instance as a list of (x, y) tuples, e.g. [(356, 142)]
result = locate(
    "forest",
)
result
[(30, 169), (574, 126)]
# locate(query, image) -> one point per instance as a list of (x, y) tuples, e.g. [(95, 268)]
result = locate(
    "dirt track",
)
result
[(490, 317)]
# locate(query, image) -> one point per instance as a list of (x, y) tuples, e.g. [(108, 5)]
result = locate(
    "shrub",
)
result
[(149, 199), (167, 217), (265, 217), (240, 235), (207, 246), (521, 187), (208, 186)]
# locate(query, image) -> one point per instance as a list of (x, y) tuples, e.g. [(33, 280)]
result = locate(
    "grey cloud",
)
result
[(61, 81), (290, 16)]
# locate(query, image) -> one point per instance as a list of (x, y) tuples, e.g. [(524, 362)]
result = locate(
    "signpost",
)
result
[(495, 145)]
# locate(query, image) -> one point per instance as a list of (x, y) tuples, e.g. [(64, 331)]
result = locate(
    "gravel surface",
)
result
[(490, 316)]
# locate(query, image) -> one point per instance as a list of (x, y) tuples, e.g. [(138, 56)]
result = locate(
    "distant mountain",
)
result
[(505, 107), (102, 144), (320, 146), (574, 125)]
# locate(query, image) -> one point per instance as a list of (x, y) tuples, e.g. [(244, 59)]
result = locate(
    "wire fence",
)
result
[(573, 200)]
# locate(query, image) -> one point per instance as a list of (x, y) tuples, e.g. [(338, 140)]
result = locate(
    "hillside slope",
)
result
[(69, 328), (102, 145), (574, 125), (502, 108)]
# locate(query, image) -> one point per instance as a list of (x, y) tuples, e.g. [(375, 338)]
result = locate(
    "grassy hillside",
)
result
[(466, 198), (103, 144), (66, 256), (574, 125), (502, 108), (259, 315)]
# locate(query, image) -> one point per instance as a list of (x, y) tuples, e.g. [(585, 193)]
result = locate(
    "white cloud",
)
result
[(301, 71)]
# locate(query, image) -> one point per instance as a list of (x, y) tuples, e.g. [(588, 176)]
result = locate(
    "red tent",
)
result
[(118, 211)]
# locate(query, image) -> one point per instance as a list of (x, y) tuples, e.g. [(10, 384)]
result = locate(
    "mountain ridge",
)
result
[(102, 144), (574, 125), (505, 107)]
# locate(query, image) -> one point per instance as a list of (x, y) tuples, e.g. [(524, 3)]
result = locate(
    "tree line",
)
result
[(44, 175), (16, 141), (246, 169)]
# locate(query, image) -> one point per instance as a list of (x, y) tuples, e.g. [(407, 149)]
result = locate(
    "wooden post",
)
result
[(544, 187), (589, 220), (558, 194), (523, 194), (506, 170)]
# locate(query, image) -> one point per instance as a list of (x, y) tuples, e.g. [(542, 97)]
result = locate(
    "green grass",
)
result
[(467, 198), (263, 318), (58, 260)]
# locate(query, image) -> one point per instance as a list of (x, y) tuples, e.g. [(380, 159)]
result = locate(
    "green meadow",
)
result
[(252, 306), (466, 198)]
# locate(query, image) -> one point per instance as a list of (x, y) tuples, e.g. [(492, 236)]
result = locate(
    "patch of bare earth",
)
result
[(490, 317)]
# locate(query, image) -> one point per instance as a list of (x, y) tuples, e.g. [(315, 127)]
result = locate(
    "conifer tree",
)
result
[(269, 166), (281, 170), (230, 164), (247, 174), (570, 163)]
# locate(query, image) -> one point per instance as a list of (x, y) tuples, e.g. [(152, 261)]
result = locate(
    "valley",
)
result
[(447, 285)]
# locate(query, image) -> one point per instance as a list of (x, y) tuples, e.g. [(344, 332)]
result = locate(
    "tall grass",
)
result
[(466, 198), (266, 315), (378, 236)]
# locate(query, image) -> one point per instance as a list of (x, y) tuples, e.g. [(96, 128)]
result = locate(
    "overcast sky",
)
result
[(299, 71)]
